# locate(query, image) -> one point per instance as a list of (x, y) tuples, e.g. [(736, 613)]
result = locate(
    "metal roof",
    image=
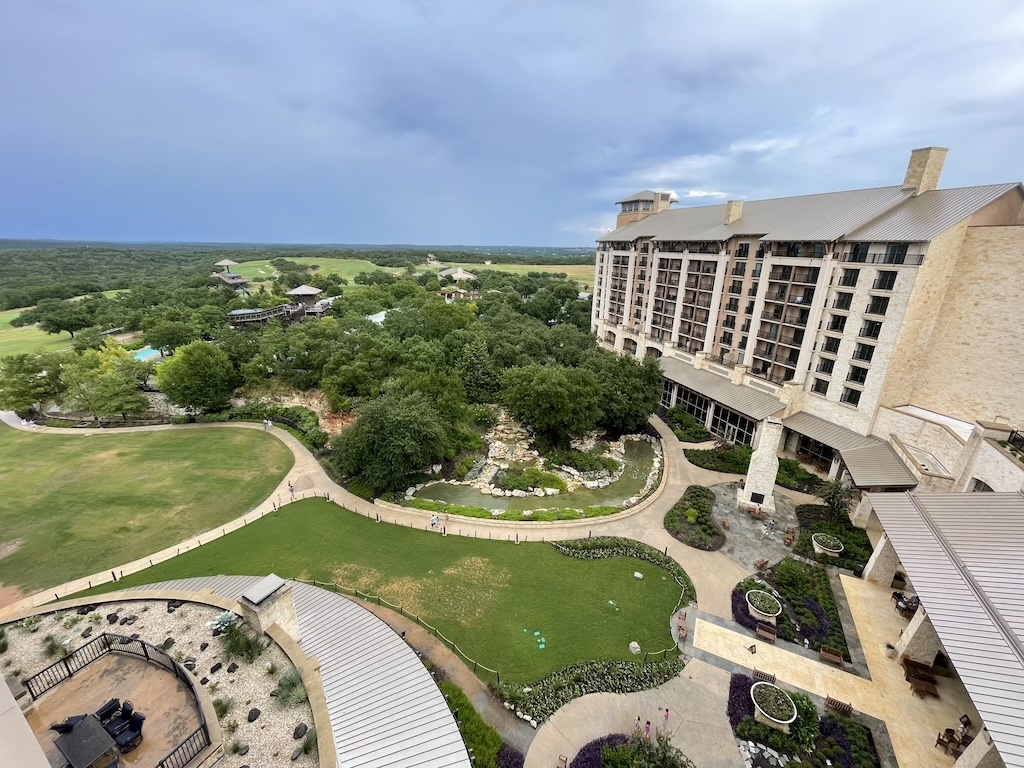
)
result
[(226, 263), (304, 290), (824, 217), (647, 194), (263, 589), (385, 709), (921, 218), (825, 432), (962, 553), (750, 402), (875, 464)]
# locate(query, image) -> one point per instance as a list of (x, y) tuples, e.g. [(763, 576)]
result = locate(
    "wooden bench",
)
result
[(761, 565), (767, 632), (839, 707), (756, 513), (681, 625), (763, 677), (830, 654), (563, 762), (790, 536), (922, 687), (726, 523)]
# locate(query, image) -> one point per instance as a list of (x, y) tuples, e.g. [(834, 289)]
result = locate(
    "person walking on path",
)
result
[(636, 726), (666, 715), (647, 729), (291, 490)]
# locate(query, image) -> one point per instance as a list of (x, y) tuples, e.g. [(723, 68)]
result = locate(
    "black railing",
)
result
[(883, 258), (1016, 439), (188, 750), (74, 662)]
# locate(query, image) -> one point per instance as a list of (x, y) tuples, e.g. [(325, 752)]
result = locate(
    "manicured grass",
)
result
[(581, 273), (490, 597), (347, 268), (79, 503), (17, 341)]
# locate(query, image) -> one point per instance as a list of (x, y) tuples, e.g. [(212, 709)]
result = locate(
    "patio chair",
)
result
[(68, 724), (108, 711), (965, 721), (131, 737), (119, 723), (942, 740)]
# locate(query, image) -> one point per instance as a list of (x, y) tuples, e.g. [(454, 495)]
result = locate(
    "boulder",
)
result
[(486, 491), (204, 645), (169, 642), (519, 494), (244, 750), (538, 491), (435, 469), (253, 714), (204, 681), (86, 632), (300, 731), (216, 668), (634, 648), (551, 491), (296, 753), (112, 618), (232, 667)]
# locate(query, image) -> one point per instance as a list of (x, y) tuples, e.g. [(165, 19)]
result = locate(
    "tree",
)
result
[(53, 316), (105, 382), (837, 496), (394, 435), (26, 382), (557, 403), (168, 335), (630, 390), (199, 377), (479, 373), (88, 338)]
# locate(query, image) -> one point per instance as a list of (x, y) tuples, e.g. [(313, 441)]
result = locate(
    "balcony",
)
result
[(775, 296), (842, 304), (791, 340), (911, 259), (806, 276), (770, 377), (805, 297), (848, 282)]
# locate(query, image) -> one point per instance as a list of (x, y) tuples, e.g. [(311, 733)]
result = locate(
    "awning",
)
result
[(876, 465), (756, 405), (825, 432), (961, 551)]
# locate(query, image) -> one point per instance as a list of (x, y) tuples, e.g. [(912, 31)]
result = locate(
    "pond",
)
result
[(639, 460)]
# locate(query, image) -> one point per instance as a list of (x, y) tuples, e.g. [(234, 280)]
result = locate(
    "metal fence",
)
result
[(1016, 439), (106, 643)]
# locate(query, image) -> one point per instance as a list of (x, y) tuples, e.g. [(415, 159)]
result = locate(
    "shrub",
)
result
[(545, 697), (463, 466), (763, 602), (30, 624), (792, 475), (54, 648), (774, 702), (858, 748), (580, 461), (510, 757), (290, 689), (700, 529), (222, 706), (239, 641), (816, 518), (180, 418), (309, 743), (600, 547), (740, 705), (686, 427), (483, 740), (590, 755), (641, 751), (735, 460), (808, 591), (483, 416), (806, 729), (524, 479)]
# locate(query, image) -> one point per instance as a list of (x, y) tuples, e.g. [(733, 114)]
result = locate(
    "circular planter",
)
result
[(825, 544), (767, 612), (770, 718)]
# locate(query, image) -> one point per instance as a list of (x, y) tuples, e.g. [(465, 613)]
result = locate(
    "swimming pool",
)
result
[(146, 354)]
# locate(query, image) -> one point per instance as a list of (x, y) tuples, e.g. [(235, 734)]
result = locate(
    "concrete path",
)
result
[(696, 701)]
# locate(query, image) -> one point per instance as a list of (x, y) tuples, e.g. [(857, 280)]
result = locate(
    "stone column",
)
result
[(980, 753), (884, 563), (269, 601), (919, 640), (764, 466)]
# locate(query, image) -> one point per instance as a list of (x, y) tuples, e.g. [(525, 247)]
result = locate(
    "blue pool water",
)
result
[(146, 354)]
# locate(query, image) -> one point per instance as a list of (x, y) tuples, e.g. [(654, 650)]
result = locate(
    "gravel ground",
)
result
[(269, 738)]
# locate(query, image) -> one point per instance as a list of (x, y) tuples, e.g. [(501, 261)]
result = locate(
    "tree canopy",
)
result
[(557, 402), (200, 378)]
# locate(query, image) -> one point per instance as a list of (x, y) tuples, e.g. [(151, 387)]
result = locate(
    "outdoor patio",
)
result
[(749, 541), (170, 710)]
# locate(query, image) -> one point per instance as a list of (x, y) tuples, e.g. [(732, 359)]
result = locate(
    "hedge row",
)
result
[(600, 547)]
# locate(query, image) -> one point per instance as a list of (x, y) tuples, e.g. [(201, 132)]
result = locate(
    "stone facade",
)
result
[(919, 640), (924, 169), (980, 753), (278, 609), (994, 466), (764, 466), (972, 368), (884, 563)]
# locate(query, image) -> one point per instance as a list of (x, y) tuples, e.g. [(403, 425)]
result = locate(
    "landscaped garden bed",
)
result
[(792, 475), (774, 706), (599, 547), (636, 751), (763, 605), (809, 609), (691, 520), (733, 459), (542, 699), (826, 544), (818, 519), (812, 739), (686, 428)]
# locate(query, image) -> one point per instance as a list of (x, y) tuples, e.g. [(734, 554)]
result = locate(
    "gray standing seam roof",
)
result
[(825, 432), (385, 709), (962, 552), (647, 194), (750, 402), (875, 464), (922, 218)]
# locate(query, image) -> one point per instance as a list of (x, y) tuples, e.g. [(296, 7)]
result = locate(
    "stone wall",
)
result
[(972, 366), (942, 443), (995, 466), (919, 640)]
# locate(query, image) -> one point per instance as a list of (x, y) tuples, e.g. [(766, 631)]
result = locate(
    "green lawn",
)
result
[(489, 597), (77, 504), (581, 273), (347, 268), (16, 341)]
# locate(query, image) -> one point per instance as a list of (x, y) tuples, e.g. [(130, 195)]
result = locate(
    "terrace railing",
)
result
[(188, 750), (1016, 439)]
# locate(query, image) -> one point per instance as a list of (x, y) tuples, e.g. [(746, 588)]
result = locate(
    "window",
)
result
[(878, 305), (726, 338), (831, 345), (849, 278), (732, 426), (693, 403), (760, 252), (871, 329), (837, 323), (736, 287), (666, 393), (746, 325), (739, 269), (793, 249), (980, 486), (857, 375), (733, 305), (757, 269), (864, 352), (820, 387), (885, 281), (818, 250), (895, 253), (850, 396), (750, 308), (742, 250), (826, 366), (859, 253), (843, 301)]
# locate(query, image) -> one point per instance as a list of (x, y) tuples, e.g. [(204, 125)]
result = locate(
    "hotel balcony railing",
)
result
[(807, 278), (767, 376), (848, 282), (912, 259), (778, 296), (791, 341), (842, 305), (801, 298)]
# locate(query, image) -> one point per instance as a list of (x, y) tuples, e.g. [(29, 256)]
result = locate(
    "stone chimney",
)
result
[(269, 601), (924, 169), (733, 211), (764, 466)]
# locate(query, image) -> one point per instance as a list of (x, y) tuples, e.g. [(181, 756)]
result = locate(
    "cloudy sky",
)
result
[(480, 122)]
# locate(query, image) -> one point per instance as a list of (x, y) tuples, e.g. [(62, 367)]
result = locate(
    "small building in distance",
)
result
[(455, 274), (305, 296), (229, 278), (451, 295)]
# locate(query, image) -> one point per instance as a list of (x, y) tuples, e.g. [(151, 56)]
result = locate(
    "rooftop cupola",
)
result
[(643, 204)]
